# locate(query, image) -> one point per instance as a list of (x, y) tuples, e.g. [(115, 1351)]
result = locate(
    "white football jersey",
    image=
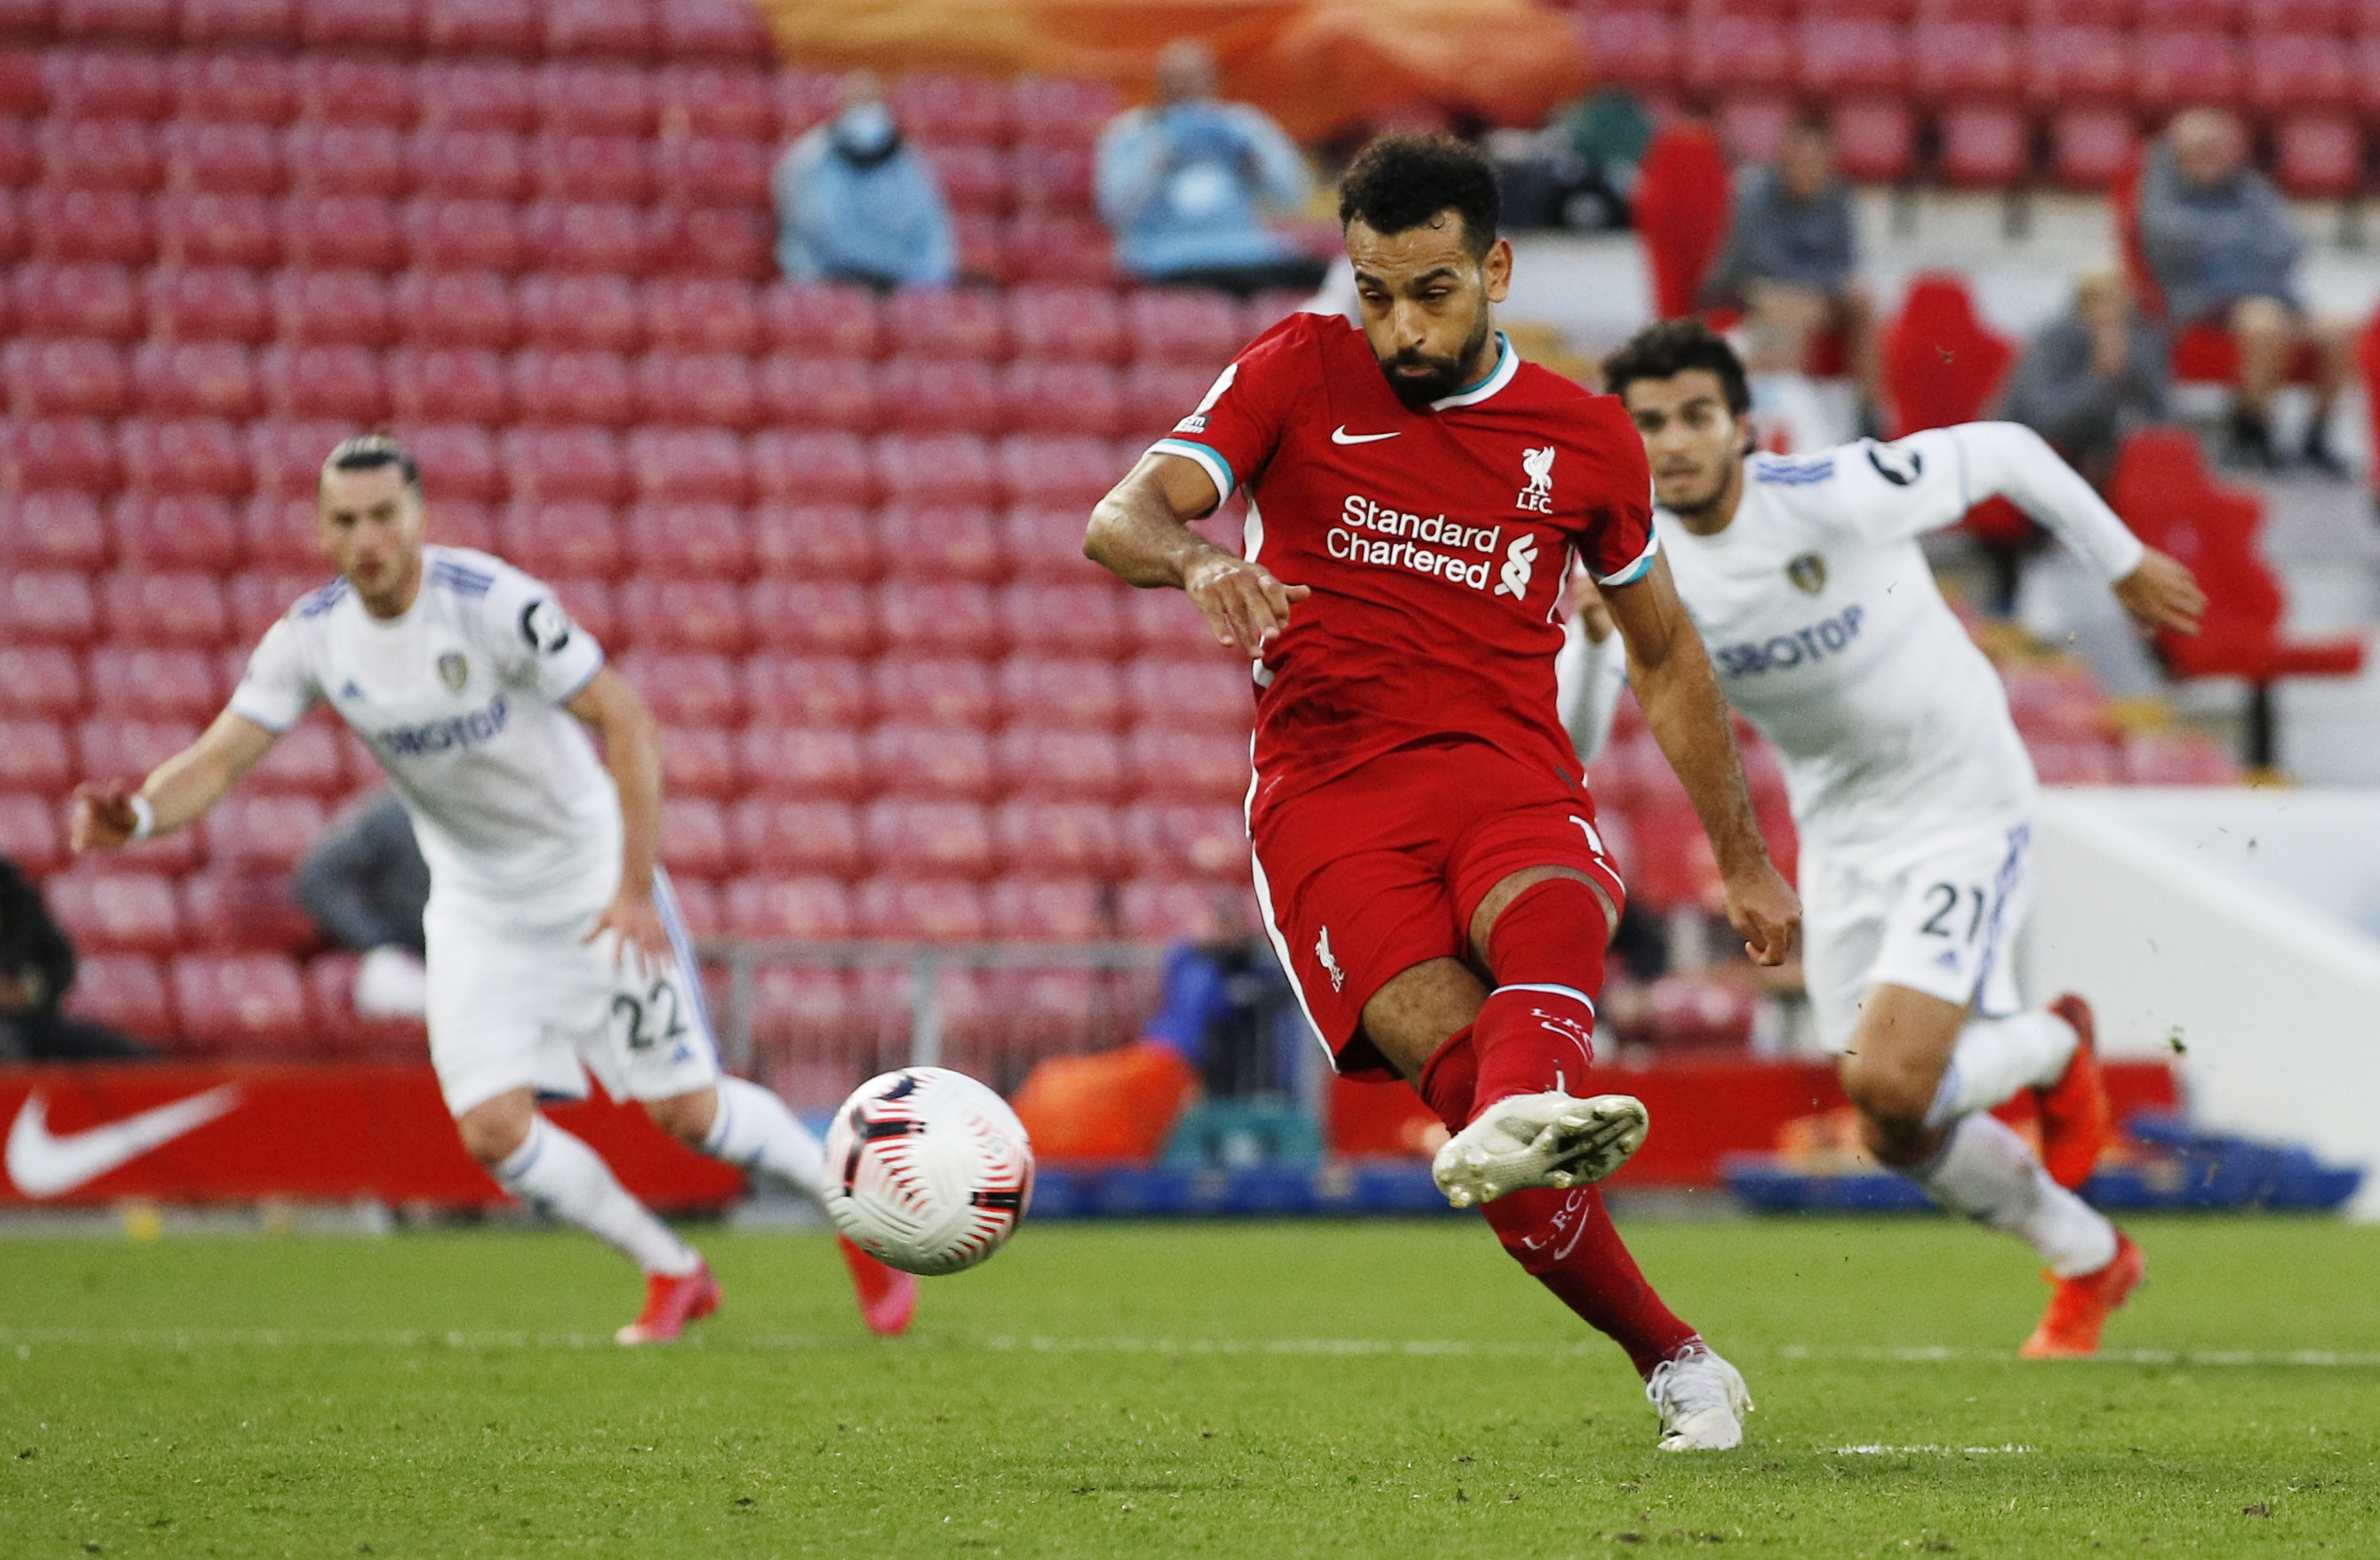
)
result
[(461, 700), (1827, 630)]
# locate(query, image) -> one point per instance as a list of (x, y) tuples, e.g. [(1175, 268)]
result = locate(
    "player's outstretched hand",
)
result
[(641, 933), (1765, 911), (2161, 593), (101, 818), (1244, 604)]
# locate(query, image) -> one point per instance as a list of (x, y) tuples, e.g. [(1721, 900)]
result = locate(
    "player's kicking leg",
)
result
[(1925, 1076)]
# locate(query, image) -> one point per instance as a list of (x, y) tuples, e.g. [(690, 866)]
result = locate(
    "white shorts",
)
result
[(1942, 919), (519, 1001)]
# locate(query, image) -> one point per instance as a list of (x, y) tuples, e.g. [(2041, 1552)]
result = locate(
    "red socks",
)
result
[(1535, 1032), (1564, 1240)]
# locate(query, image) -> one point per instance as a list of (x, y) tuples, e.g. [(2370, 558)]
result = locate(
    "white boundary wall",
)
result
[(2233, 921)]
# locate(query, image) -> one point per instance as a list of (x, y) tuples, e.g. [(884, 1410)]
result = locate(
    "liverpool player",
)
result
[(1912, 790), (1426, 850)]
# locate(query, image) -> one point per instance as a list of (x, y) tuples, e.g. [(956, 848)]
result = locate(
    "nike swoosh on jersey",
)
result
[(45, 1164), (1340, 435)]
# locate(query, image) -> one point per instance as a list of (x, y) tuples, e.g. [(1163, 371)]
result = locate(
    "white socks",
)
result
[(1996, 1057), (558, 1173), (1990, 1174), (755, 1131)]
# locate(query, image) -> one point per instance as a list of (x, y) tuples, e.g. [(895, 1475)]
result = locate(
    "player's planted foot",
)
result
[(1538, 1140), (2079, 1307), (669, 1303), (2076, 1121), (1701, 1401), (887, 1297)]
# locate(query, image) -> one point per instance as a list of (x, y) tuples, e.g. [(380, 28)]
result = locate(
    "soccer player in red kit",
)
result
[(1425, 846)]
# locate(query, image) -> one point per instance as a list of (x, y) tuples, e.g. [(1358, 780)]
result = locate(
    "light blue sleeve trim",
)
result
[(1216, 465), (1636, 571)]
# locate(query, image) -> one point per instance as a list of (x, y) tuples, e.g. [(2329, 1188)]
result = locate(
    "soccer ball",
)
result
[(927, 1170)]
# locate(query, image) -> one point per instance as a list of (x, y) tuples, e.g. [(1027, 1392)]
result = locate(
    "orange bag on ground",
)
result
[(1110, 1105)]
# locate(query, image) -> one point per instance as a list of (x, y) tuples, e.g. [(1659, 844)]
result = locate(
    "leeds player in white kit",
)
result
[(554, 948), (1912, 794)]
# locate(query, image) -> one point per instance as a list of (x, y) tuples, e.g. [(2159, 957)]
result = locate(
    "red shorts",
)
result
[(1367, 876)]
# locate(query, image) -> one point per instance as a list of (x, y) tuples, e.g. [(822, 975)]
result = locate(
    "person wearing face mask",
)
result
[(856, 202), (1184, 183)]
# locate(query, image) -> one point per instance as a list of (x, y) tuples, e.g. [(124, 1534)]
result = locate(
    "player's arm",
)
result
[(176, 793), (1672, 674), (632, 750), (1589, 671), (1140, 531)]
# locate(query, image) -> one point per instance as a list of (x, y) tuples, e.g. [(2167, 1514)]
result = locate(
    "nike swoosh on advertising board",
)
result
[(1340, 435), (45, 1164)]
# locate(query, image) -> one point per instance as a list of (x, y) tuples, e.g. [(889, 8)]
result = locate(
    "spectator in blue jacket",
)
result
[(2218, 240), (856, 202), (1186, 182)]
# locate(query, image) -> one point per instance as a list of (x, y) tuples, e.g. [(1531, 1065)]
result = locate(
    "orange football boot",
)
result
[(2076, 1122), (887, 1297), (670, 1304), (2079, 1307)]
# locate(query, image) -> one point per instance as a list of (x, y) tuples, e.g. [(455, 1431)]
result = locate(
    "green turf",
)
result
[(1158, 1390)]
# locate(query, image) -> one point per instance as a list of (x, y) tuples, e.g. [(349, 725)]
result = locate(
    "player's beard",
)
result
[(1444, 375)]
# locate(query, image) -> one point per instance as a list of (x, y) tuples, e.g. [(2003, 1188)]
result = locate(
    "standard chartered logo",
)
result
[(1519, 563)]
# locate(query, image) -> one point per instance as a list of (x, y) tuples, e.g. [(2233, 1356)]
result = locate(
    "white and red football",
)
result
[(927, 1170)]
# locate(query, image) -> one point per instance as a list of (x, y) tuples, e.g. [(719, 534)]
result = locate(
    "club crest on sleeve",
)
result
[(1895, 465), (1808, 573), (1537, 465), (545, 625), (454, 671)]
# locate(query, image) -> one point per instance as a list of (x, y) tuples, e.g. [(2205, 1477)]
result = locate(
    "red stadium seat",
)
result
[(1047, 247), (1167, 763), (562, 537), (938, 395), (237, 1002), (802, 761), (699, 760), (33, 756), (464, 234), (957, 322), (815, 542), (2318, 155), (1635, 47), (116, 912), (124, 991), (454, 381), (594, 99), (205, 301), (1164, 624), (910, 758), (278, 529), (1176, 910), (1724, 52), (459, 461), (40, 681), (1156, 396), (56, 530), (595, 312), (707, 614), (453, 522), (1042, 397), (564, 462), (1944, 365), (219, 23), (711, 170), (2303, 16), (1067, 325), (1176, 839), (241, 159), (337, 89), (1045, 543), (2092, 145), (1853, 55), (1876, 139), (108, 83), (2065, 65), (941, 689), (2299, 71), (715, 99), (1039, 834), (265, 833), (501, 27), (919, 909), (62, 452), (284, 459), (1049, 762), (806, 691), (475, 94), (1079, 693), (1046, 911), (953, 618), (2174, 69), (181, 530), (164, 609), (1172, 326), (596, 28), (324, 380), (1985, 145), (46, 607), (725, 29), (588, 168), (774, 834), (689, 538), (1060, 111), (707, 464), (237, 88), (310, 759), (808, 909), (210, 227), (240, 909), (196, 377), (704, 388), (324, 230), (976, 180), (830, 393), (713, 241), (1085, 618), (572, 385), (2075, 761), (694, 837), (811, 618), (64, 376), (699, 314), (346, 160), (940, 541), (686, 688), (1963, 59), (1214, 692), (953, 108), (1058, 469), (922, 838), (456, 309), (365, 24), (468, 165), (98, 153), (30, 835), (1053, 179), (260, 597), (821, 321)]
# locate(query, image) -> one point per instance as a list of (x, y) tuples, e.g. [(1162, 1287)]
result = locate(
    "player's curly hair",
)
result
[(1672, 347), (1400, 182)]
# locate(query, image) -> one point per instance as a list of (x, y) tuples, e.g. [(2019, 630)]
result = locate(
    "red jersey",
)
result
[(1435, 543)]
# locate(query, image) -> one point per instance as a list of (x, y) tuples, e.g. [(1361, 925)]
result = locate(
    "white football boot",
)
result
[(1701, 1401), (1555, 1141)]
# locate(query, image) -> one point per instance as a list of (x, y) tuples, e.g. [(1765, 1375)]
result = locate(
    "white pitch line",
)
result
[(295, 1337)]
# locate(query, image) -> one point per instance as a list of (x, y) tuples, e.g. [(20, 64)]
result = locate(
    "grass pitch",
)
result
[(1250, 1390)]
